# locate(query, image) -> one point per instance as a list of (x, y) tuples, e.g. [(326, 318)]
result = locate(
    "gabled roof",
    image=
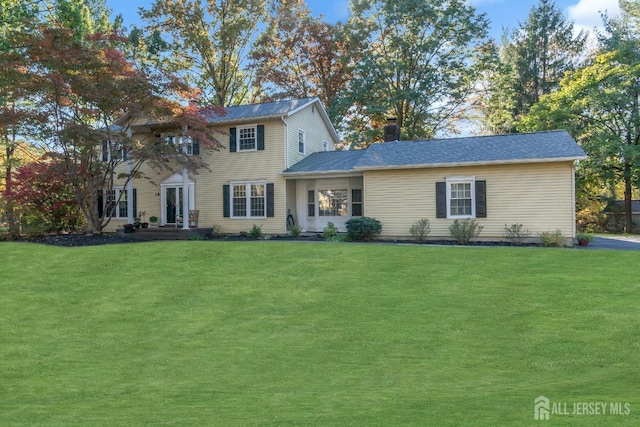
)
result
[(266, 110), (540, 147), (273, 110)]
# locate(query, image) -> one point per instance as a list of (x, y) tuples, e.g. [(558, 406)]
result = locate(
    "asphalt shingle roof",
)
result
[(512, 148), (328, 161), (257, 111)]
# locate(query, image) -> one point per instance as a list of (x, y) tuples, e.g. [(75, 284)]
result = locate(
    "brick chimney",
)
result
[(391, 130)]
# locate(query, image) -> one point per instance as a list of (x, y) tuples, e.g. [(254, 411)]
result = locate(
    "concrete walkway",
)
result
[(620, 243)]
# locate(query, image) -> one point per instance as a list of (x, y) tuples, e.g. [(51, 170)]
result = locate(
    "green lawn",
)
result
[(281, 333)]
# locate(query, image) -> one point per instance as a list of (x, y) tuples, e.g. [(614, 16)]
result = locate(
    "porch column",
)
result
[(130, 213), (185, 190)]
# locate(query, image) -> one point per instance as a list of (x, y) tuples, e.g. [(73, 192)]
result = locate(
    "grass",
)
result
[(276, 333)]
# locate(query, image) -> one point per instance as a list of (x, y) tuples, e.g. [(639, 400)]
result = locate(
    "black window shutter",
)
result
[(105, 151), (195, 150), (270, 197), (441, 199), (232, 140), (225, 201), (260, 137), (135, 203), (100, 204), (481, 199)]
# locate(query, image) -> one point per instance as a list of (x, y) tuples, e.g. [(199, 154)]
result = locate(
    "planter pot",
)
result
[(128, 229), (583, 242), (154, 224), (145, 225)]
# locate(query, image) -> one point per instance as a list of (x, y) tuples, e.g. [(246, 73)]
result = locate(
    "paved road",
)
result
[(621, 243)]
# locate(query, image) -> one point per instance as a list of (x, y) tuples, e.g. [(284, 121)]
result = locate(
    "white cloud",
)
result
[(586, 14)]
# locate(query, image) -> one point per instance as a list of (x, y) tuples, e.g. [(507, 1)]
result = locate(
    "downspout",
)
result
[(286, 166), (185, 187), (130, 213), (573, 196)]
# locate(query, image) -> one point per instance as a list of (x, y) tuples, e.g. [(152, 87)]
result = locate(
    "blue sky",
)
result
[(501, 13)]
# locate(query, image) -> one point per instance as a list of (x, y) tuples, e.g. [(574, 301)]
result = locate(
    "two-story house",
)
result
[(279, 162)]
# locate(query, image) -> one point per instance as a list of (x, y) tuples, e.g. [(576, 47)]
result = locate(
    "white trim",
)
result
[(247, 196), (456, 164), (117, 200), (177, 181), (471, 180), (255, 138), (325, 146)]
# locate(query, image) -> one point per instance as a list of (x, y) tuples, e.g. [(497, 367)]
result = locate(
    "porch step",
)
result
[(165, 233)]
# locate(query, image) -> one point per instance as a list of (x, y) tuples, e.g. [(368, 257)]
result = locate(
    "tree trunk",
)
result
[(628, 213), (9, 208)]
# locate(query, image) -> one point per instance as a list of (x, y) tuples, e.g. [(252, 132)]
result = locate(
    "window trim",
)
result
[(117, 200), (325, 146), (302, 143), (247, 196), (471, 180), (239, 129), (119, 149)]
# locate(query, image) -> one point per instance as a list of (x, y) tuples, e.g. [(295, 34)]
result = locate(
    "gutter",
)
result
[(461, 164)]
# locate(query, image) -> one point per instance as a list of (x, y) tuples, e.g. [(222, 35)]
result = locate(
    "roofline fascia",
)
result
[(323, 174), (460, 164)]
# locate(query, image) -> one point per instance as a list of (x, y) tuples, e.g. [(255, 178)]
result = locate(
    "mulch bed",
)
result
[(73, 240)]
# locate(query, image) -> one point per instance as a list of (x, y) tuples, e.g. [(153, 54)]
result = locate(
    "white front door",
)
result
[(171, 199)]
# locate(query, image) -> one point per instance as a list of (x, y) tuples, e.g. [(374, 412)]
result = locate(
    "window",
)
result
[(247, 138), (356, 202), (113, 151), (301, 142), (461, 197), (333, 202), (249, 200), (192, 146), (311, 203), (325, 145), (115, 203)]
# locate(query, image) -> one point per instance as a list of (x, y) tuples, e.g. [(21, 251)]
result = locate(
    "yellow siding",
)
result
[(310, 120), (224, 167), (539, 196)]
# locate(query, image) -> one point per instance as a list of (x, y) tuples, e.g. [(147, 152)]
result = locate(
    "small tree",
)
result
[(42, 194)]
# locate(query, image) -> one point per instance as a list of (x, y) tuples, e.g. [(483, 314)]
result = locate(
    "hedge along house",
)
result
[(498, 180), (243, 184)]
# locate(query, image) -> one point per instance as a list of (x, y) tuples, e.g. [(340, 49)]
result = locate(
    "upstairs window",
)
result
[(113, 151), (301, 141), (247, 138)]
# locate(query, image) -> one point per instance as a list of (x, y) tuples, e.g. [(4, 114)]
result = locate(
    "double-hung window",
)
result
[(461, 197), (115, 203), (301, 141), (249, 200), (113, 151), (247, 138)]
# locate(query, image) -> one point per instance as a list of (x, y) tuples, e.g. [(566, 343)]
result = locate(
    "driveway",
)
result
[(621, 243)]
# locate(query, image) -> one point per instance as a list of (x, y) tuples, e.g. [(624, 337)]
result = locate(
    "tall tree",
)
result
[(209, 43), (82, 86), (17, 20), (534, 55), (419, 64), (600, 105), (300, 56)]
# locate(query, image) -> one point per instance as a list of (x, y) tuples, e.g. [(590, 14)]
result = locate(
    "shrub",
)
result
[(516, 233), (255, 231), (420, 229), (464, 230), (330, 232), (363, 228), (553, 239), (295, 230), (216, 230)]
